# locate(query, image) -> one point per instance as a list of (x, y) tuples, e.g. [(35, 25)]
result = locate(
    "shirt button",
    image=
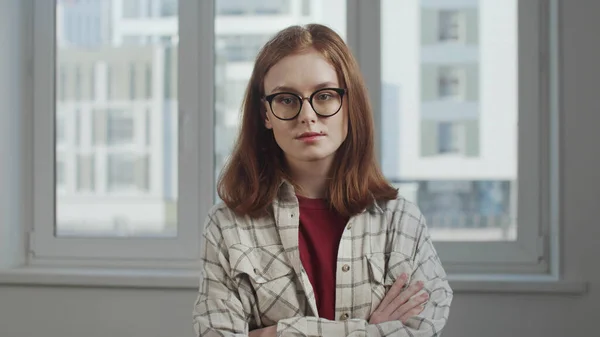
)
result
[(345, 267), (349, 226), (344, 317), (255, 271)]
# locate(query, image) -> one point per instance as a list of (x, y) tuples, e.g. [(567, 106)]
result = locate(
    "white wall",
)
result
[(77, 312)]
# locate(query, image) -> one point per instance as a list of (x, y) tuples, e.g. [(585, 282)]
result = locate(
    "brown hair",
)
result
[(249, 182)]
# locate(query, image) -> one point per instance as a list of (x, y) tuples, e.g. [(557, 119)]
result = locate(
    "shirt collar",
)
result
[(286, 195)]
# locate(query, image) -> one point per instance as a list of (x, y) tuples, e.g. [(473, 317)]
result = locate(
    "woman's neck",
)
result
[(312, 177)]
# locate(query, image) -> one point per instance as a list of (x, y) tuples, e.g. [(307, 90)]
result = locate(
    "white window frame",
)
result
[(195, 185), (536, 250)]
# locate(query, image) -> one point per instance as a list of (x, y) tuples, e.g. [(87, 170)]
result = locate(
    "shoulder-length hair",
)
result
[(250, 180)]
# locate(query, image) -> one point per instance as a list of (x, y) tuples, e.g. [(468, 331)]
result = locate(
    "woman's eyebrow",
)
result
[(281, 88)]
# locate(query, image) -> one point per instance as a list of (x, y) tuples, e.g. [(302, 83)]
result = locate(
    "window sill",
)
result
[(525, 284), (101, 278), (186, 279)]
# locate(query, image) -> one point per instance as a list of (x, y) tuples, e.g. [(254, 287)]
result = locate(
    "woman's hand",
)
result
[(264, 332), (400, 304)]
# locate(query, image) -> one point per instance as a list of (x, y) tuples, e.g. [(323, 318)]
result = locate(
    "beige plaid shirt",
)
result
[(252, 276)]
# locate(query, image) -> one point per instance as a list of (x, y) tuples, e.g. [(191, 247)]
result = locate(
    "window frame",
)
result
[(538, 169), (535, 250), (195, 138)]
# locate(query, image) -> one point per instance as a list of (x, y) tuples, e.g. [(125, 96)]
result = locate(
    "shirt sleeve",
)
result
[(430, 323), (218, 310)]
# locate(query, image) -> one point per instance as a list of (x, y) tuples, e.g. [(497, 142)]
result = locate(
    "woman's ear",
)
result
[(265, 113), (268, 124)]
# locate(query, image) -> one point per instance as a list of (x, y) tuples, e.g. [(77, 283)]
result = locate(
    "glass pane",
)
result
[(241, 28), (449, 113), (116, 118)]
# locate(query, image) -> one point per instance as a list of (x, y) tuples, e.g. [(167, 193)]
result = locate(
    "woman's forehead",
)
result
[(305, 71)]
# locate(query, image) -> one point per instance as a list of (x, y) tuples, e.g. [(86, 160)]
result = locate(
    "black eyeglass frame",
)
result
[(340, 91)]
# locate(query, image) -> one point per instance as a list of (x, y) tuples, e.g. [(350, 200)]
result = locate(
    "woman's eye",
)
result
[(323, 97), (286, 100)]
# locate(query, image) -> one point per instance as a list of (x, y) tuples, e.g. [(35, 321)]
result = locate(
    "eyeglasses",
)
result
[(325, 102)]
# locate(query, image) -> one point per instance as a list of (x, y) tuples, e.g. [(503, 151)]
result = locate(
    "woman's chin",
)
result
[(314, 156)]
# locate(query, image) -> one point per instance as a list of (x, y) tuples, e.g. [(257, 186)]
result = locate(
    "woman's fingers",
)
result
[(404, 297), (411, 304), (400, 303), (412, 313), (394, 291)]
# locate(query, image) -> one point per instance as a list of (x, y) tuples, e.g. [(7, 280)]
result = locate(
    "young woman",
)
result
[(311, 240)]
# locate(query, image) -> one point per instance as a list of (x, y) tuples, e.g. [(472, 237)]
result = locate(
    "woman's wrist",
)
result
[(270, 331)]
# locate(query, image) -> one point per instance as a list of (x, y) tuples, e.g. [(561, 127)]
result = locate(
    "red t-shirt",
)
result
[(319, 238)]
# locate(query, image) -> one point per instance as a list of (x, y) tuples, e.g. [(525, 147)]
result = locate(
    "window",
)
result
[(132, 9), (150, 5), (148, 82), (77, 83), (62, 88), (168, 80), (241, 48), (86, 178), (234, 95), (168, 8), (148, 127), (77, 130), (127, 171), (480, 210), (61, 133), (166, 40), (306, 7), (446, 135), (121, 171), (132, 79), (451, 138), (120, 127), (132, 40), (440, 137), (451, 83), (470, 107), (146, 168), (60, 172), (252, 7), (450, 25), (93, 82), (109, 82), (125, 175)]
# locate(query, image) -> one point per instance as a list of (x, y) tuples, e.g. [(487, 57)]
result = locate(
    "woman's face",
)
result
[(309, 137)]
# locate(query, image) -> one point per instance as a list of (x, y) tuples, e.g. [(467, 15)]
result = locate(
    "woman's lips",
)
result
[(310, 138)]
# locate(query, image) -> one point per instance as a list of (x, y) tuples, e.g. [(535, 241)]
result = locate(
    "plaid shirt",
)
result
[(252, 276)]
